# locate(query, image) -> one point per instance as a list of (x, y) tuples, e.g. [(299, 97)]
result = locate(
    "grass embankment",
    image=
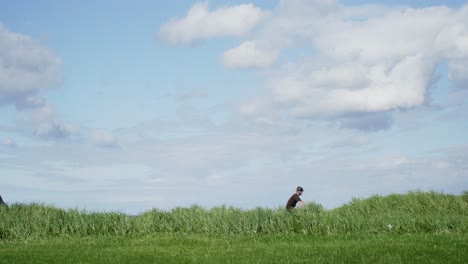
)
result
[(412, 213)]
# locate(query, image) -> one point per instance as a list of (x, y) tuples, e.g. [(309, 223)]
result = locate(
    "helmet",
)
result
[(299, 188)]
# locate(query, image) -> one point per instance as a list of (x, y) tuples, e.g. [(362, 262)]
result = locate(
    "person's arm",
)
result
[(298, 199)]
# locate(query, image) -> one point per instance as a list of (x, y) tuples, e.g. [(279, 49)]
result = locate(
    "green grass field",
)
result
[(425, 228), (202, 248)]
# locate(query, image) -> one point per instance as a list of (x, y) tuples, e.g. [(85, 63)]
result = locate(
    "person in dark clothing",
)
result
[(295, 199), (1, 201)]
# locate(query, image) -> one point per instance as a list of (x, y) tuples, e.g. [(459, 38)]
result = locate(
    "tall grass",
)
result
[(415, 212)]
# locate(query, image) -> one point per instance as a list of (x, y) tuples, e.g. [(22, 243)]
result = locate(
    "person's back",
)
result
[(295, 199)]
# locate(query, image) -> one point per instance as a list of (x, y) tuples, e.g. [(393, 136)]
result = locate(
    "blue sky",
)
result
[(126, 106)]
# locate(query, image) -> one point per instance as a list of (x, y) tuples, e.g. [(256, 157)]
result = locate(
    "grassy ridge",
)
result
[(415, 212)]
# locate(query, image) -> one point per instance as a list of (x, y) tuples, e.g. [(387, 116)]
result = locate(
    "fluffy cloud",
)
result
[(26, 67), (249, 54), (353, 87), (201, 23), (364, 59)]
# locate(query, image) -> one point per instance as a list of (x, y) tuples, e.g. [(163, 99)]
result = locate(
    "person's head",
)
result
[(299, 190)]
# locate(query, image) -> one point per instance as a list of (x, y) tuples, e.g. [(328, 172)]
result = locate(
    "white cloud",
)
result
[(201, 23), (364, 59), (249, 54), (26, 67), (401, 33), (354, 88)]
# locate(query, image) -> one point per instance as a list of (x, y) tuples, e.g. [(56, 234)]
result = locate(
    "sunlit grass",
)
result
[(222, 248)]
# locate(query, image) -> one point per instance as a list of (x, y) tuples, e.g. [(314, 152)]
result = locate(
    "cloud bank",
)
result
[(366, 65), (357, 61)]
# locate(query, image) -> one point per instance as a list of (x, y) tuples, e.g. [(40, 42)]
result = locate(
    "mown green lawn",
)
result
[(192, 248)]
